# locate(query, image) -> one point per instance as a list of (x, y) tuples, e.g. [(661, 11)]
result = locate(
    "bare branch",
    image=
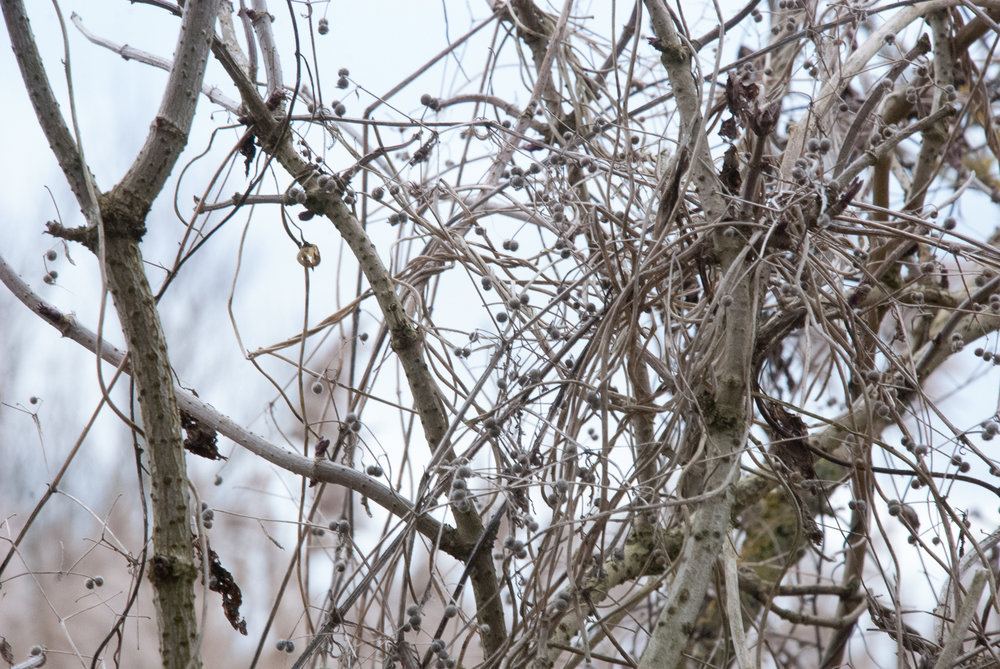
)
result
[(131, 53)]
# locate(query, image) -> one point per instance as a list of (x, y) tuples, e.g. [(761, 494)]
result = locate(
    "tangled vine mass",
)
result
[(659, 336)]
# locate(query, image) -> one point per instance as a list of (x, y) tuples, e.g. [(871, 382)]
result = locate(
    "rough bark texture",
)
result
[(173, 570), (722, 382), (123, 213)]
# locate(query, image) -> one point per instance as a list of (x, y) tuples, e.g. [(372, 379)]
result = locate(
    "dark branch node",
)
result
[(85, 235), (200, 440), (222, 581)]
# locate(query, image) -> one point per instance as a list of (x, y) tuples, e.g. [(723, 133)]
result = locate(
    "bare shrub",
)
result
[(652, 351)]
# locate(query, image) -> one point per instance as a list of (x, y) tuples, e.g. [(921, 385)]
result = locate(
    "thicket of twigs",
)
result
[(634, 361)]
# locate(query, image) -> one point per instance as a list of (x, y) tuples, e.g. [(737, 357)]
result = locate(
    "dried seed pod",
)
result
[(308, 255)]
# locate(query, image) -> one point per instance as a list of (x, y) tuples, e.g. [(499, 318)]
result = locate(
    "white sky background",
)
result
[(380, 42)]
